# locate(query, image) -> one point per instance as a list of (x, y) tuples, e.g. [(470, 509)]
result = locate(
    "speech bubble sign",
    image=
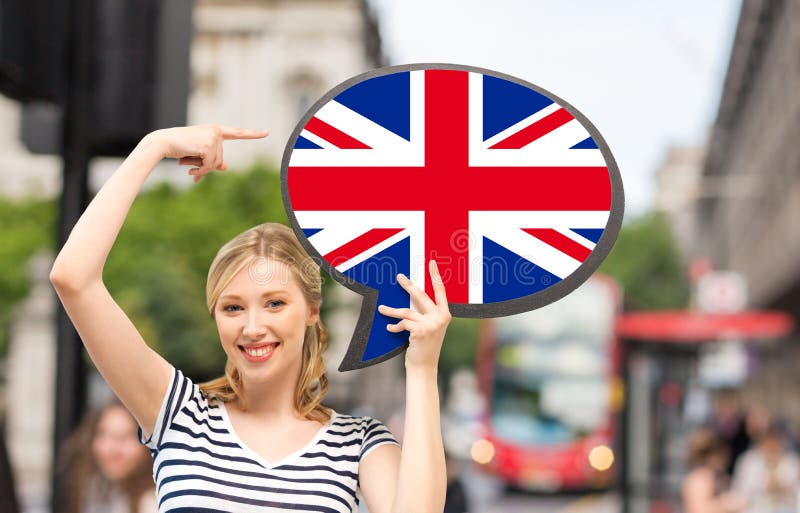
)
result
[(508, 187)]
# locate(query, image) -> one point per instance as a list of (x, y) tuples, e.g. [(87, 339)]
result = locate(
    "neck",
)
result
[(272, 400)]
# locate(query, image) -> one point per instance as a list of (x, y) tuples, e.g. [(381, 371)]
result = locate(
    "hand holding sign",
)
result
[(507, 187), (426, 322)]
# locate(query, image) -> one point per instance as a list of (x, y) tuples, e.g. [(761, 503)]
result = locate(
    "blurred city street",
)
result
[(664, 380)]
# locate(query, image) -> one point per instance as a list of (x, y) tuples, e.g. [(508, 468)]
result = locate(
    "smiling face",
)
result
[(115, 446), (262, 316)]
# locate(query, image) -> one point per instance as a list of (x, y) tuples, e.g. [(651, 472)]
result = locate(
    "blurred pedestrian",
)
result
[(769, 474), (705, 488), (729, 422), (105, 468), (757, 421)]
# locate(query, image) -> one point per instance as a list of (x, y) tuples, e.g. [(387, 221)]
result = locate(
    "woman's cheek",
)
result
[(227, 332)]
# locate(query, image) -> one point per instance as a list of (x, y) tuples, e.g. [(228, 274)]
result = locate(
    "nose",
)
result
[(254, 328)]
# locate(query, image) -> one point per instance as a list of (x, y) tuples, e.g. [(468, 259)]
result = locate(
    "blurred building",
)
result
[(24, 174), (254, 63), (262, 64), (678, 190), (754, 150), (754, 157)]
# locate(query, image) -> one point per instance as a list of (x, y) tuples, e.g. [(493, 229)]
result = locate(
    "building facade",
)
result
[(754, 150), (254, 63), (678, 191), (754, 155), (262, 64)]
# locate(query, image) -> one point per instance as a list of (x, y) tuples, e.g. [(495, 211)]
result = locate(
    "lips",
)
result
[(259, 352)]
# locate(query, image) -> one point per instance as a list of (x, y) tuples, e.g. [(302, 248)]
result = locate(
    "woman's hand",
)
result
[(198, 146), (427, 324)]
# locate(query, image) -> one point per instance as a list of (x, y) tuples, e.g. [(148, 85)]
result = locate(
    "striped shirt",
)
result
[(201, 465)]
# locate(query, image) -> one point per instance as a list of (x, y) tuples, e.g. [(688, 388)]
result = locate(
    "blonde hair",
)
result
[(275, 242)]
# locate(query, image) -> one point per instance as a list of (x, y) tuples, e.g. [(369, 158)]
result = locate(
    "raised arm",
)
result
[(136, 373), (419, 483)]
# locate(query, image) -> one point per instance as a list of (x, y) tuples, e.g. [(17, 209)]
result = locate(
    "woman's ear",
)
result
[(313, 315)]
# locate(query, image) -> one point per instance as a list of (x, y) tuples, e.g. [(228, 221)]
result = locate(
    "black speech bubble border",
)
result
[(355, 350)]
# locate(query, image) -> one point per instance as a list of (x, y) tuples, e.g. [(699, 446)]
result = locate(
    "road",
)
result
[(515, 503), (487, 495)]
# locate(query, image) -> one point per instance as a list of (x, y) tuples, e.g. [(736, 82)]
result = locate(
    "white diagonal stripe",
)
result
[(516, 127), (530, 248), (359, 127), (580, 239), (560, 139), (319, 141)]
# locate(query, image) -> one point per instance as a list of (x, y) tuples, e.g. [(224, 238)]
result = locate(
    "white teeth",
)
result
[(259, 351)]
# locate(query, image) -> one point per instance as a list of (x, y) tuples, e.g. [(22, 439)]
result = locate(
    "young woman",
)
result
[(105, 468), (257, 439)]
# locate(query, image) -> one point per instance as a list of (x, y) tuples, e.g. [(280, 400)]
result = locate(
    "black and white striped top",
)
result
[(201, 465)]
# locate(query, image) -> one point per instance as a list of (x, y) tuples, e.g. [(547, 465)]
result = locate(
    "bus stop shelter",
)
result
[(662, 354)]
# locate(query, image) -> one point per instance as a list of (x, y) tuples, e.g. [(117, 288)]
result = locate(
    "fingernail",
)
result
[(401, 277)]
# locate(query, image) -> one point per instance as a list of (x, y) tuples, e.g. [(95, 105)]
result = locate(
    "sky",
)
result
[(648, 75)]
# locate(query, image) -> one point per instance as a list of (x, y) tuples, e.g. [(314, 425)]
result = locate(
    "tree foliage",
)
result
[(26, 226), (647, 263)]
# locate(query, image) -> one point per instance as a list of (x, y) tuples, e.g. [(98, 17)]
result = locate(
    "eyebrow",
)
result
[(265, 294)]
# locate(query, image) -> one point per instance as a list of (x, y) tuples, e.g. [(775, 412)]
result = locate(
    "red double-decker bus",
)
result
[(551, 379)]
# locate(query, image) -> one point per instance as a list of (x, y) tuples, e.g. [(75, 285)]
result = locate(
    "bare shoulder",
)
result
[(377, 474)]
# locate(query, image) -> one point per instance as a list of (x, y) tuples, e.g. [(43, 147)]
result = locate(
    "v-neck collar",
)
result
[(257, 457)]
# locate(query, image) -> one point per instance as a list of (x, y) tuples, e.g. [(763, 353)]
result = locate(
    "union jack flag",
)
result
[(496, 181)]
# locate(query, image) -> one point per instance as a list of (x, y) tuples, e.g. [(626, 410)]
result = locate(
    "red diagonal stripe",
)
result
[(560, 242), (333, 135), (534, 131), (360, 244)]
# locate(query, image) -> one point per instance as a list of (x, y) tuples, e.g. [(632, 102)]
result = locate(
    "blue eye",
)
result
[(270, 304)]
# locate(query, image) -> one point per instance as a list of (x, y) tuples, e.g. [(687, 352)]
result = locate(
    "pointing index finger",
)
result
[(229, 132)]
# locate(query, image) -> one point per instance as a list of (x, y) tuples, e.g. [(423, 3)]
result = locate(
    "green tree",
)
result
[(26, 227), (459, 347), (647, 263)]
